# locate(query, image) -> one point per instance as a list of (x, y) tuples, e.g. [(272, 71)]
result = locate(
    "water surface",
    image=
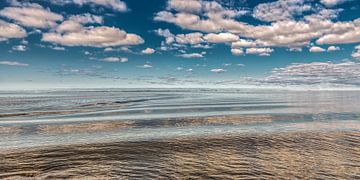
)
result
[(180, 133)]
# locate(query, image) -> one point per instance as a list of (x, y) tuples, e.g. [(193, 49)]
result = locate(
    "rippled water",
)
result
[(180, 134)]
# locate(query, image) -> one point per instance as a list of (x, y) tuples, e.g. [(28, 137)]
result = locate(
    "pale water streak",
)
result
[(180, 134)]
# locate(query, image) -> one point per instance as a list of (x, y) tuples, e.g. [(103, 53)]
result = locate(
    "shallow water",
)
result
[(180, 133)]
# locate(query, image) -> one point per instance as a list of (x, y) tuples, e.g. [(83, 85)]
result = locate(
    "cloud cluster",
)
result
[(344, 73), (9, 30), (280, 10), (293, 24), (259, 51), (73, 32), (76, 30), (32, 15)]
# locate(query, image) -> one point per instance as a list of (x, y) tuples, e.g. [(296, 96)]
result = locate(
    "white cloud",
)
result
[(19, 48), (333, 48), (116, 5), (102, 36), (356, 53), (148, 51), (237, 51), (57, 48), (350, 34), (191, 38), (192, 55), (87, 18), (170, 38), (9, 30), (290, 32), (243, 43), (331, 3), (32, 15), (345, 73), (75, 23), (185, 6), (259, 51), (12, 63), (145, 66), (280, 10), (218, 70), (115, 59), (221, 38), (316, 49), (188, 21)]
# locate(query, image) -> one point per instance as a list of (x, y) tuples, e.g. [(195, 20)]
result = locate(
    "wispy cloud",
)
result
[(13, 63), (192, 55), (145, 66), (218, 70), (316, 73), (115, 59)]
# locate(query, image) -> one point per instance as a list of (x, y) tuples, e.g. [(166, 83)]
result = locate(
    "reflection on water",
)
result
[(295, 155), (177, 133)]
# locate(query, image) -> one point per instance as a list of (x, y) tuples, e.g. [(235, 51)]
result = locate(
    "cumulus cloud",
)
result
[(170, 38), (116, 5), (10, 30), (237, 51), (280, 10), (344, 73), (316, 49), (243, 43), (148, 51), (218, 70), (350, 34), (13, 63), (221, 38), (102, 36), (188, 21), (32, 15), (259, 51), (333, 48), (191, 38), (115, 59), (331, 3), (285, 30), (186, 6)]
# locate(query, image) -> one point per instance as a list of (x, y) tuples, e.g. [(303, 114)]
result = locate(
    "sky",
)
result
[(179, 43)]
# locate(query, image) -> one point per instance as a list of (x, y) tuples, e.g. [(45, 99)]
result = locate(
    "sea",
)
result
[(180, 134)]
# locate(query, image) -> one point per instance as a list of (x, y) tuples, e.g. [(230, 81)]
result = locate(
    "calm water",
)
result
[(180, 134)]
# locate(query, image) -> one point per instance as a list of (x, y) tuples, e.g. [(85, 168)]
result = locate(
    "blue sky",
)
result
[(179, 43)]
